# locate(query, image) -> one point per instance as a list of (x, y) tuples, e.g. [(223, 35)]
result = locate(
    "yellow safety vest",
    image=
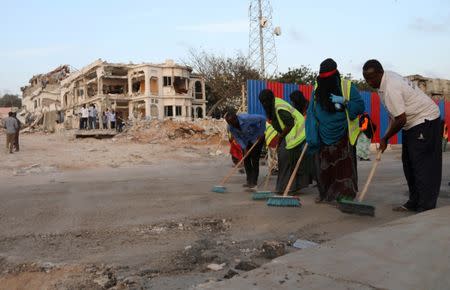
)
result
[(270, 133), (297, 134), (353, 125)]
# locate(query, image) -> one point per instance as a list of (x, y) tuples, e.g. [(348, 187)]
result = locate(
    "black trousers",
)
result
[(422, 164), (251, 163)]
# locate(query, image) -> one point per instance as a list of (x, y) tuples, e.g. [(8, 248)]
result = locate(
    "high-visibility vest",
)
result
[(297, 134), (270, 133), (353, 125)]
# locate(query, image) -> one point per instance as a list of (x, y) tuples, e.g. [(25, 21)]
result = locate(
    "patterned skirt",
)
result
[(337, 176), (363, 146)]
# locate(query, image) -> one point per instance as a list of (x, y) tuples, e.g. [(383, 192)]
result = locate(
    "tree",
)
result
[(302, 75), (360, 84), (9, 100), (224, 77)]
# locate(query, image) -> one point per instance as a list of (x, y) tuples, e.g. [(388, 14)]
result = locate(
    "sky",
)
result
[(409, 37)]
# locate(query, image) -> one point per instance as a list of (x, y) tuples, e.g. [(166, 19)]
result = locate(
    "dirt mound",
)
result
[(206, 131)]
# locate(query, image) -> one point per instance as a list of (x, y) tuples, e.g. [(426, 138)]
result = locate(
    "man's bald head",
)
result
[(373, 73)]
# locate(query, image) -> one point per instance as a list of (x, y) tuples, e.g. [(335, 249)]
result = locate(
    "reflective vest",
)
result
[(353, 125), (270, 133), (297, 134)]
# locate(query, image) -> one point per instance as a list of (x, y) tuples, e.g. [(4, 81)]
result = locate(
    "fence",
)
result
[(372, 102)]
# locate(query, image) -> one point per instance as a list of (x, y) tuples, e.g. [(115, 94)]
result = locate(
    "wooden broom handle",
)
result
[(369, 179), (236, 167), (294, 173), (266, 182)]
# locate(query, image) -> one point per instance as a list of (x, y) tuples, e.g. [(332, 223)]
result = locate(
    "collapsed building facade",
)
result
[(134, 91), (44, 91)]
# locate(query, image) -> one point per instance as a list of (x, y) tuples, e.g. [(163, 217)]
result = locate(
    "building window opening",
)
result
[(168, 111), (198, 90), (178, 110), (167, 81), (180, 85)]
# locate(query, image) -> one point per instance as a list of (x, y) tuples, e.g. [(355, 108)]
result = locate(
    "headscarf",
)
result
[(267, 99), (299, 101), (328, 82)]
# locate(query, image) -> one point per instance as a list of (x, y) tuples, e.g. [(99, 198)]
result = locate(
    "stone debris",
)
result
[(206, 131), (230, 274), (216, 267), (273, 249), (246, 266)]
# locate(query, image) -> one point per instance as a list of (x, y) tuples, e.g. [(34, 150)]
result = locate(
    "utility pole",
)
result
[(262, 52)]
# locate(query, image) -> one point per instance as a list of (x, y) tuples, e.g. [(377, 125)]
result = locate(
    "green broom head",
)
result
[(262, 195), (219, 189), (355, 207), (283, 201)]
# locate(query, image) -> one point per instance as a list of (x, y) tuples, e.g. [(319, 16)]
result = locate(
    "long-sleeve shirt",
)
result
[(11, 125), (252, 127), (333, 126)]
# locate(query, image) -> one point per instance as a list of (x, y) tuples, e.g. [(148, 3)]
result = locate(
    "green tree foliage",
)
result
[(305, 75), (9, 100), (224, 77), (301, 75)]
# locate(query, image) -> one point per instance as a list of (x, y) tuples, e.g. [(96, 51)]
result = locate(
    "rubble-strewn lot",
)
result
[(136, 211)]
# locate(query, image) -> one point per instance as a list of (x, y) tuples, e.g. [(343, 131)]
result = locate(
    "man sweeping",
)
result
[(413, 111), (247, 129)]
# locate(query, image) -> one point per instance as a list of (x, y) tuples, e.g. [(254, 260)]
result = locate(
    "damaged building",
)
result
[(44, 90), (134, 91), (437, 89)]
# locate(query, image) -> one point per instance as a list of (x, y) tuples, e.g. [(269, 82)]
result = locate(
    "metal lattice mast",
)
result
[(262, 52)]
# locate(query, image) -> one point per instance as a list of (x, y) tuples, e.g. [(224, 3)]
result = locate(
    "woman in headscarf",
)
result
[(289, 124), (307, 170), (335, 106)]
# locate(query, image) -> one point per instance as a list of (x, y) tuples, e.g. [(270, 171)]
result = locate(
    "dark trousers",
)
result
[(84, 123), (16, 141), (284, 168), (251, 163), (422, 164)]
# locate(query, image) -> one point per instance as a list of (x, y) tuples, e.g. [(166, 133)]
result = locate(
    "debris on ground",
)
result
[(304, 244), (216, 267), (205, 131), (230, 274), (246, 266), (273, 249)]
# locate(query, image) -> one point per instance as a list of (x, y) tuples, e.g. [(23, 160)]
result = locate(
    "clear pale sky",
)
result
[(410, 37)]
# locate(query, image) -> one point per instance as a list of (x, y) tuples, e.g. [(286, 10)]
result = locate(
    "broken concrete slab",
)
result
[(410, 253)]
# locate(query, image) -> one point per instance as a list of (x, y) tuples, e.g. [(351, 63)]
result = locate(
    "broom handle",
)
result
[(294, 173), (369, 179), (272, 165), (236, 167)]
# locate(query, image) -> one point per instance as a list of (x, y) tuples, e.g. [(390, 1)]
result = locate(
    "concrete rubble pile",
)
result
[(200, 131)]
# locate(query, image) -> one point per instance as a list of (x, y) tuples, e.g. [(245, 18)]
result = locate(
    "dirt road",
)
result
[(151, 221)]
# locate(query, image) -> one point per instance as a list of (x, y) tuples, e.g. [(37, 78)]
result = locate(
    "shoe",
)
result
[(252, 188), (402, 208), (245, 185)]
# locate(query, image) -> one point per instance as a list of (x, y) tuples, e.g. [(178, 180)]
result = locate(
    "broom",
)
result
[(358, 207), (286, 200), (265, 194), (221, 187)]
